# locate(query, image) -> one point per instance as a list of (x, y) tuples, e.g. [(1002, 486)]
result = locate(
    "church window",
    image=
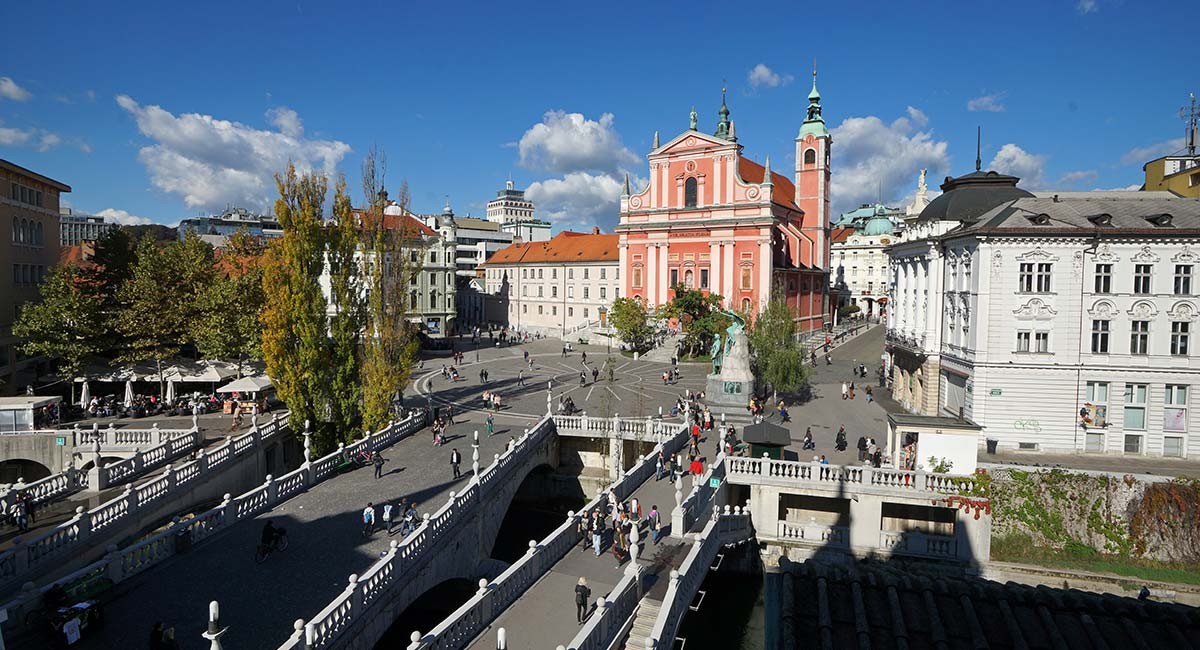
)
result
[(703, 278), (689, 193), (746, 305), (810, 157), (637, 278), (746, 275), (674, 277)]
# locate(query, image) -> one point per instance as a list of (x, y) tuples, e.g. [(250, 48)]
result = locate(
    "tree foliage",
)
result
[(632, 322), (293, 316), (347, 304), (67, 323), (229, 326), (698, 314), (778, 355)]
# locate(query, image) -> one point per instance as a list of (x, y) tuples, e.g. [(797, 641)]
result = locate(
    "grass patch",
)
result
[(1022, 549)]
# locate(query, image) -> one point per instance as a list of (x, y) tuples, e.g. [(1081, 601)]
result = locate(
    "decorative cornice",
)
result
[(1182, 311), (1103, 310), (1143, 310), (1185, 256), (1145, 255), (1035, 309), (1037, 254)]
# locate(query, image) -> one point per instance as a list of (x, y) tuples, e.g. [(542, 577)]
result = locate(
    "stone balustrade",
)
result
[(814, 533), (45, 490), (726, 528), (695, 507), (611, 615), (919, 544), (648, 429), (119, 565), (814, 475)]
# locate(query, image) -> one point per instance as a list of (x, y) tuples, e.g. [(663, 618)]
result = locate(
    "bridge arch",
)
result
[(25, 469), (435, 604)]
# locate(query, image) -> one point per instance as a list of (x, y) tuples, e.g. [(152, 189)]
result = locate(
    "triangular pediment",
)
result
[(692, 140)]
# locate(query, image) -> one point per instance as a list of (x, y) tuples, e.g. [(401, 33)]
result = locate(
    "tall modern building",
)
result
[(216, 229), (515, 215), (29, 206), (77, 228)]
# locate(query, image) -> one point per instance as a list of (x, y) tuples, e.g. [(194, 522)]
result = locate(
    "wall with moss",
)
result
[(1109, 514)]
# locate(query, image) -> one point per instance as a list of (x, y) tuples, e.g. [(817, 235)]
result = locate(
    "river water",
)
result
[(732, 613)]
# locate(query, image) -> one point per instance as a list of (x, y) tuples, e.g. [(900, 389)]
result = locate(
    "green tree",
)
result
[(111, 265), (698, 314), (777, 354), (67, 323), (632, 322), (346, 325), (293, 316), (229, 326)]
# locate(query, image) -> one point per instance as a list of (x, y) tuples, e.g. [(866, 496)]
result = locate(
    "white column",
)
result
[(729, 269), (664, 275), (650, 271), (653, 189), (765, 264), (714, 267)]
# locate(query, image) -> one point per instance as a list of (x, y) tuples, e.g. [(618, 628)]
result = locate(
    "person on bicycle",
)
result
[(270, 533)]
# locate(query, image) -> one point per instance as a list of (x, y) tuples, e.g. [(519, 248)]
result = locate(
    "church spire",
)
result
[(723, 123), (767, 180), (813, 122), (625, 191), (655, 140)]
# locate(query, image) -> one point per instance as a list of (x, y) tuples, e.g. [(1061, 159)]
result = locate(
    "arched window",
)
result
[(16, 233), (689, 193), (746, 305), (24, 231), (39, 234), (810, 157), (433, 298)]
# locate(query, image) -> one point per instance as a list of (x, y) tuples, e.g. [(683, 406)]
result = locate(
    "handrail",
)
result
[(120, 565), (880, 478), (612, 612)]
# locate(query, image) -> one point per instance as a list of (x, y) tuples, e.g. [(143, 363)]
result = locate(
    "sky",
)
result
[(154, 111)]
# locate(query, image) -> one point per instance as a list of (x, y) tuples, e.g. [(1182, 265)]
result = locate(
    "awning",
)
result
[(205, 371), (247, 385)]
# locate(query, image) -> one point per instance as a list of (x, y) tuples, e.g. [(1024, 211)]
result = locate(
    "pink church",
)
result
[(714, 220)]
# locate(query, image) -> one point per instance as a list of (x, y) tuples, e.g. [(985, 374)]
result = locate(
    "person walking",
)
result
[(585, 526), (845, 390), (368, 518), (582, 378), (491, 425), (387, 518), (862, 448), (597, 531), (378, 460), (595, 374), (455, 461), (582, 595), (583, 358), (521, 377), (655, 523), (482, 376)]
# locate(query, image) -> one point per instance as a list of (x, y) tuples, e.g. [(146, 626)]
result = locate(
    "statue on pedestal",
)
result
[(716, 353)]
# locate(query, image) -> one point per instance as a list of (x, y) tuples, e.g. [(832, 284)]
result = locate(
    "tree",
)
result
[(111, 265), (68, 322), (778, 355), (700, 316), (632, 322), (229, 326), (293, 316), (347, 303), (390, 342)]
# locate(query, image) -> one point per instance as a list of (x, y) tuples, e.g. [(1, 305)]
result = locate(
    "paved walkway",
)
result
[(544, 616)]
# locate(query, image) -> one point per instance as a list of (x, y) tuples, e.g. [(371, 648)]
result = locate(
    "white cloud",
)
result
[(1128, 188), (1086, 6), (91, 95), (1143, 155), (1077, 177), (569, 142), (211, 162), (48, 141), (986, 103), (578, 200), (10, 90), (39, 139), (15, 137), (760, 76), (1015, 161), (122, 217), (870, 158)]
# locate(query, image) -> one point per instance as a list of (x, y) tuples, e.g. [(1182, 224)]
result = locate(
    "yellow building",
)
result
[(1178, 174)]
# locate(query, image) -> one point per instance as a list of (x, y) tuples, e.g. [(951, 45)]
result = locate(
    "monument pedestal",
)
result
[(730, 392)]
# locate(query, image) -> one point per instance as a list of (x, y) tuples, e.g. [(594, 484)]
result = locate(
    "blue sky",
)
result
[(156, 113)]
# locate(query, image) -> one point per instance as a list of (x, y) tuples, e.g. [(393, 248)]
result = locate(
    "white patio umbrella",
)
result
[(170, 392), (85, 396), (128, 394)]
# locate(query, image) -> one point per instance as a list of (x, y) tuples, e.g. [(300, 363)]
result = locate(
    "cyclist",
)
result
[(269, 534), (368, 516)]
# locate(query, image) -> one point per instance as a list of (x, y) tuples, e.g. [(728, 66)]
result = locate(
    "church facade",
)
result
[(714, 220)]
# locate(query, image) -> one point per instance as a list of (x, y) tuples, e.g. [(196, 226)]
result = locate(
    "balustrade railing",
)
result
[(815, 474), (612, 612), (696, 506), (122, 564), (730, 527), (647, 429), (918, 543), (814, 533)]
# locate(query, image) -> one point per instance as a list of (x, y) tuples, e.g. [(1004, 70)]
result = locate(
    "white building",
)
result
[(515, 215), (554, 287), (74, 229), (1057, 322)]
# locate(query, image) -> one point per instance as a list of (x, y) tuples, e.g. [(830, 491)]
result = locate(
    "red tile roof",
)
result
[(405, 222), (783, 191), (564, 247), (840, 235)]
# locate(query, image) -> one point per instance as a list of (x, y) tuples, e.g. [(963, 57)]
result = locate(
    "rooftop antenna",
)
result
[(978, 140), (1190, 114)]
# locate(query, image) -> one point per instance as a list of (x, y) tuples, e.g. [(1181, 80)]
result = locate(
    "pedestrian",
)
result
[(491, 425), (867, 390), (828, 360), (482, 375), (582, 378), (585, 524), (840, 443), (808, 440), (582, 595), (368, 518), (455, 461), (156, 636), (387, 517), (168, 640), (378, 462), (862, 448), (659, 466), (595, 374), (521, 378), (597, 531), (564, 352), (845, 390), (655, 523), (584, 357)]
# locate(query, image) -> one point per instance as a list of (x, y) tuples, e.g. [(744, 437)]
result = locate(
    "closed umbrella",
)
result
[(170, 392), (85, 396), (128, 394)]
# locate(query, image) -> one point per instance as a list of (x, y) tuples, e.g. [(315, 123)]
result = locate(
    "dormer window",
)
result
[(1039, 219), (1103, 220), (1161, 220), (689, 193)]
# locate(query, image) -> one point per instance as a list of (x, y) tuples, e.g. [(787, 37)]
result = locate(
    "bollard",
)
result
[(501, 639)]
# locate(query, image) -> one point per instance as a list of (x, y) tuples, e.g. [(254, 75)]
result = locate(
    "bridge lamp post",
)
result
[(215, 631)]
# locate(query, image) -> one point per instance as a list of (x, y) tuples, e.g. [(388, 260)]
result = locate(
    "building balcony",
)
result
[(907, 341)]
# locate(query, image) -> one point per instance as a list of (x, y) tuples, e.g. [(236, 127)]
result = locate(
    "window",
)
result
[(1141, 278), (433, 257), (570, 274), (1041, 341), (433, 298), (524, 274), (746, 275), (1133, 443), (602, 274), (1025, 278), (541, 291), (585, 273), (585, 312), (541, 274), (1100, 336), (1175, 408), (603, 293), (570, 312), (540, 310), (1139, 335), (1135, 408), (524, 291), (570, 291), (637, 278), (1179, 338), (1103, 278), (1043, 278), (553, 310), (674, 277), (554, 292), (1034, 277), (689, 193), (810, 157), (746, 305), (1183, 279), (1023, 339), (524, 309), (703, 278), (1097, 392), (585, 293)]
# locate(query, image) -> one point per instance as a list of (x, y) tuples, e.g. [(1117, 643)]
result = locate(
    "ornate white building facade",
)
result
[(1058, 322)]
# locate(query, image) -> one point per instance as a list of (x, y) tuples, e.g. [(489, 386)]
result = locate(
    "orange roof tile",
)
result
[(783, 191), (563, 248), (405, 222), (839, 235)]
